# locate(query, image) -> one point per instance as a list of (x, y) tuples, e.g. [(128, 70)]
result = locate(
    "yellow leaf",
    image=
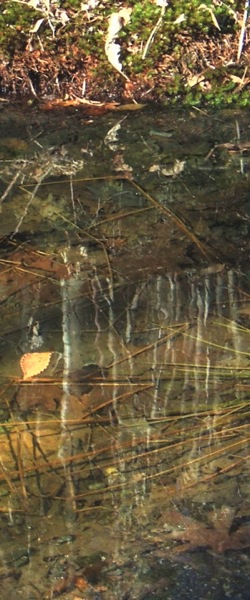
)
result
[(34, 363)]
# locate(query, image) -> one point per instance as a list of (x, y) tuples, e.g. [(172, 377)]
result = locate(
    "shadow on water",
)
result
[(124, 347)]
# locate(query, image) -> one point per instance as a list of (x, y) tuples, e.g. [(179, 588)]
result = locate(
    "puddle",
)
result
[(124, 280)]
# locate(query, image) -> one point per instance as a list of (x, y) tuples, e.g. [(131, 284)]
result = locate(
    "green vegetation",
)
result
[(16, 22), (184, 51)]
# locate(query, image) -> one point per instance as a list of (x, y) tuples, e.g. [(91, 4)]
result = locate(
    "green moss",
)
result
[(71, 4), (182, 17), (173, 47), (16, 21)]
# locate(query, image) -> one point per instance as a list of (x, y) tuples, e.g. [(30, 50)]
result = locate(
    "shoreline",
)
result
[(189, 54)]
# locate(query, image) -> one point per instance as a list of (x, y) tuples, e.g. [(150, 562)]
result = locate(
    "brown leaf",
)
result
[(81, 583), (90, 108)]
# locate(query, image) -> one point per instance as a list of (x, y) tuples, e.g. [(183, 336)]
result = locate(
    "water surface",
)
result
[(124, 279)]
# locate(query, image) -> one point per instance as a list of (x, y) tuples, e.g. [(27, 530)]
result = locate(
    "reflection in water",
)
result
[(124, 466), (158, 441)]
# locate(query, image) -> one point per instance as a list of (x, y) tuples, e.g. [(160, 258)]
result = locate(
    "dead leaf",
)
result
[(62, 16), (63, 585), (236, 79), (154, 169), (37, 26), (115, 244), (90, 5), (111, 139), (193, 534), (130, 106), (180, 19), (195, 79), (235, 146), (81, 583), (112, 48), (28, 399), (90, 108), (175, 169), (34, 363), (212, 269), (120, 165)]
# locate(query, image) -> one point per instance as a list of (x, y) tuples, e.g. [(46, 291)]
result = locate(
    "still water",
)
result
[(124, 349)]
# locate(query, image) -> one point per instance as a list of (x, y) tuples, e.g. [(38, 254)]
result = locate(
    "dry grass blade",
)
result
[(243, 30), (118, 399), (160, 444), (155, 29), (7, 478), (20, 467), (9, 187)]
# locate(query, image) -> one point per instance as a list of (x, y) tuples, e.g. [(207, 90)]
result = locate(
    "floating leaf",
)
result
[(34, 363)]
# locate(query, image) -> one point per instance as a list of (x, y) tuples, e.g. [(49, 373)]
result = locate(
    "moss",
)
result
[(182, 46), (71, 4), (16, 21)]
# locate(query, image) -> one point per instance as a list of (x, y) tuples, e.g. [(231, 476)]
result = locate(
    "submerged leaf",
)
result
[(34, 363)]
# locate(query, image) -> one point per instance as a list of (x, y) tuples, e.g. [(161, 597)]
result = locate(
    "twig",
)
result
[(32, 196), (10, 186), (207, 252), (20, 466)]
